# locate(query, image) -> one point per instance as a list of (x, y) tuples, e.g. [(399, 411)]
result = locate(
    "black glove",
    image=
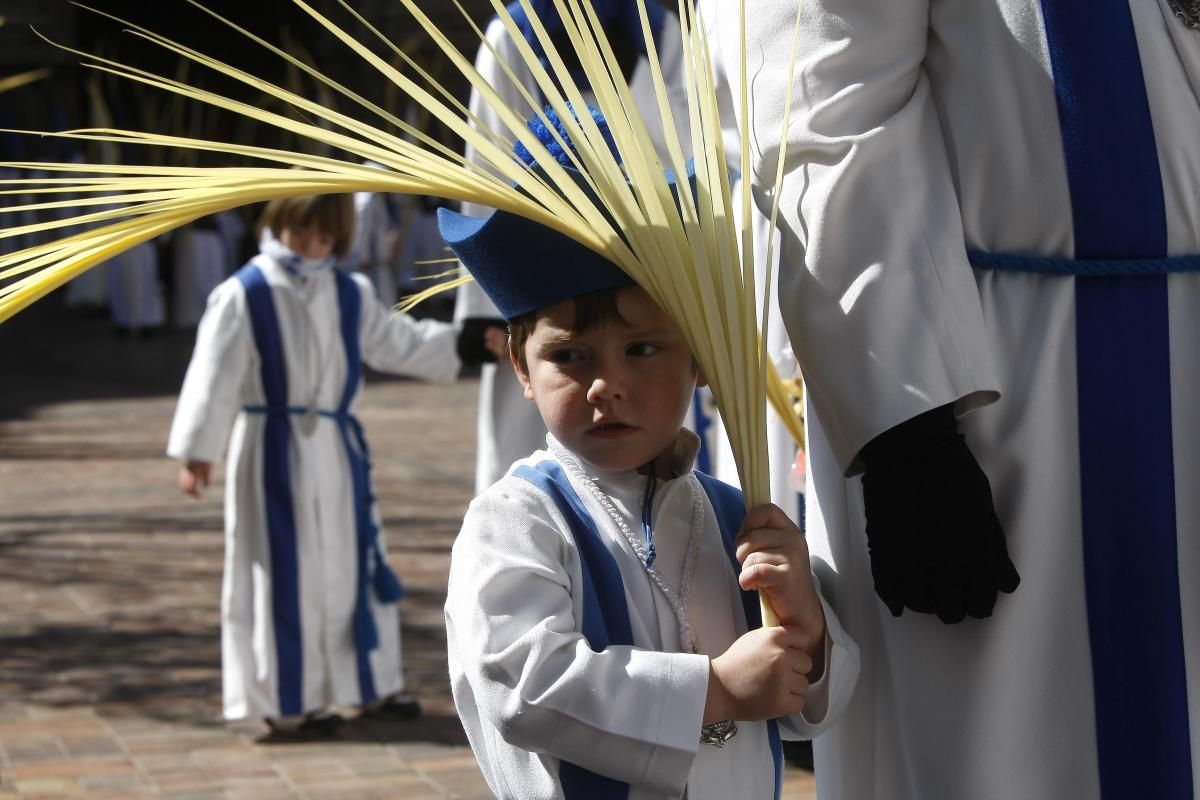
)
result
[(936, 545), (470, 344)]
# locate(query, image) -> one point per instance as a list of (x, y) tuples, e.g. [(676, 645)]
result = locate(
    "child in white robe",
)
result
[(308, 607), (603, 641)]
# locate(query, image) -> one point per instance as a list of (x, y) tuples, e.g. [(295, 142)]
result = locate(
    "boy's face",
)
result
[(615, 394), (307, 241)]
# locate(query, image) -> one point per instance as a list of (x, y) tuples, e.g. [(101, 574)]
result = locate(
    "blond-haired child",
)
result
[(308, 606)]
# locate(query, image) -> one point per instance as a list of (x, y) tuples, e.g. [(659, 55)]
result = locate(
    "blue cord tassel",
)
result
[(388, 587), (648, 517), (366, 635)]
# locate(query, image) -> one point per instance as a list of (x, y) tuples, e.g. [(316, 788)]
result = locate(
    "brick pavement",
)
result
[(109, 587)]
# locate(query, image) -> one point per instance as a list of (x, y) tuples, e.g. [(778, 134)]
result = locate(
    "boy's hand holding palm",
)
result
[(766, 672)]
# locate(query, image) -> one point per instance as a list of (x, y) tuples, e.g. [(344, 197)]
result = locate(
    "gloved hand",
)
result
[(936, 545), (472, 340)]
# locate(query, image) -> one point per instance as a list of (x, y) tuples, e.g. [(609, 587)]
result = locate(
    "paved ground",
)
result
[(109, 585)]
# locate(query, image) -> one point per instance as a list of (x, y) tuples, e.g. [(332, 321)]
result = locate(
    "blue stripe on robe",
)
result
[(277, 494), (366, 636), (1127, 479), (605, 613), (701, 423)]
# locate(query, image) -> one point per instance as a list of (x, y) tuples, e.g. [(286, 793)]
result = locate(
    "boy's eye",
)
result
[(564, 356), (642, 349)]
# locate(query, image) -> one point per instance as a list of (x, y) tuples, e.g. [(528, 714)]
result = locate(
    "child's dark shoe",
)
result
[(400, 706), (312, 726)]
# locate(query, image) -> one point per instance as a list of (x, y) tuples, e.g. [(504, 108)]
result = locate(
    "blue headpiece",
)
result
[(522, 265), (613, 14)]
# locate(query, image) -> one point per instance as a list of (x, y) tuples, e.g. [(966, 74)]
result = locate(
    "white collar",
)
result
[(683, 456)]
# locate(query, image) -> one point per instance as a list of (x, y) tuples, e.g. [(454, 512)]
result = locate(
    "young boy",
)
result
[(600, 644), (308, 607)]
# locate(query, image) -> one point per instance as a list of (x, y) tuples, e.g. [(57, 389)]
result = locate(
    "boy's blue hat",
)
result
[(522, 265)]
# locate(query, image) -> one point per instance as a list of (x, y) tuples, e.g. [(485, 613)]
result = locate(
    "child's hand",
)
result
[(194, 476), (495, 341), (760, 676), (482, 340), (774, 559)]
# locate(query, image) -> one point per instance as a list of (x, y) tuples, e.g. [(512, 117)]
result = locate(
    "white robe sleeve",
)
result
[(627, 713), (400, 344), (212, 391), (828, 697), (880, 302)]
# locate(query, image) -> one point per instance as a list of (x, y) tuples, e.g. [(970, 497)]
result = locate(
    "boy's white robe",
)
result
[(530, 690), (509, 425), (223, 377), (923, 129)]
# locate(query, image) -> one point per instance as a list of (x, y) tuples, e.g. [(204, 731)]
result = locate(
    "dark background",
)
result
[(62, 101)]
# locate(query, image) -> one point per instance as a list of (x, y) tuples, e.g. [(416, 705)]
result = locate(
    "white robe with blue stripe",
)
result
[(530, 690), (924, 130), (222, 378)]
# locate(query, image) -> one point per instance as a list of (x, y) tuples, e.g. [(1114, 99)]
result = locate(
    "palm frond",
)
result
[(684, 252)]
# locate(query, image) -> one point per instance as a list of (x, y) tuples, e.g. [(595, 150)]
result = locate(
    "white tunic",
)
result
[(530, 690), (223, 377), (509, 426), (376, 228), (202, 261), (135, 295), (924, 129)]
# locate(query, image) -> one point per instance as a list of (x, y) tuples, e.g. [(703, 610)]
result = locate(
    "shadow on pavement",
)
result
[(50, 353), (429, 728), (168, 674)]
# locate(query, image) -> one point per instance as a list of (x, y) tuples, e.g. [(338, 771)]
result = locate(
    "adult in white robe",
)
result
[(135, 295), (202, 261), (376, 238), (509, 427), (533, 693), (422, 248), (1056, 143), (223, 381)]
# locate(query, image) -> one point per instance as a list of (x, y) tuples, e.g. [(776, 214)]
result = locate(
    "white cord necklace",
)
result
[(678, 600)]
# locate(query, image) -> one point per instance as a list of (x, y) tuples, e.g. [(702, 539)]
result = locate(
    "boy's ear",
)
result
[(701, 380), (521, 376)]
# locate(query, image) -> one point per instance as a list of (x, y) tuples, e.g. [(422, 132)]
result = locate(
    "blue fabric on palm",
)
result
[(622, 14), (522, 265), (546, 137)]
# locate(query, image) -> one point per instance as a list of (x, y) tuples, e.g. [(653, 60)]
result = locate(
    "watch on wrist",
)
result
[(718, 733)]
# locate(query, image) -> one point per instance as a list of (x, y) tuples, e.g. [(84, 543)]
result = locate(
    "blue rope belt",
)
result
[(373, 569), (1049, 265)]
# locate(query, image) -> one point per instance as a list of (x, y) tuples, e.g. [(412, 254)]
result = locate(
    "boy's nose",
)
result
[(606, 386)]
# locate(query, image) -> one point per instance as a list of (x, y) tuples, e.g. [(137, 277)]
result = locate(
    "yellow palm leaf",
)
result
[(22, 79), (686, 255)]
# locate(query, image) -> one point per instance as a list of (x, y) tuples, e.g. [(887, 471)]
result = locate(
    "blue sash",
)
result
[(605, 613), (1127, 477), (702, 422), (373, 570)]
